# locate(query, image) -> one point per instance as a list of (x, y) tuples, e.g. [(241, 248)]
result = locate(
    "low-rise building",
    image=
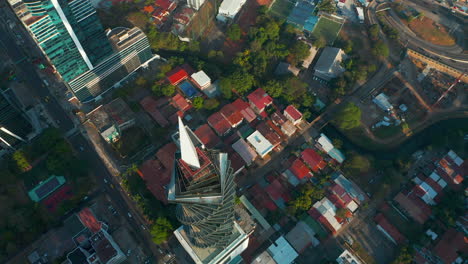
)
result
[(201, 80), (219, 123), (260, 143), (245, 110), (313, 159), (325, 144), (151, 106), (284, 68), (389, 230), (231, 114), (282, 252), (177, 75), (297, 172), (259, 100), (111, 119), (382, 101), (301, 237), (293, 115), (347, 257), (228, 9), (328, 65), (324, 211), (245, 151), (207, 136)]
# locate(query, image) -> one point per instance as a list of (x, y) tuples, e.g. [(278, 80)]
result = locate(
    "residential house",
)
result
[(177, 75), (328, 65), (270, 132), (150, 105), (245, 151), (282, 252), (245, 110), (207, 136), (260, 143), (293, 115), (230, 113), (301, 237), (313, 159), (219, 123), (452, 247), (278, 193), (259, 100), (325, 144), (284, 68), (297, 172), (389, 231), (201, 80), (324, 211)]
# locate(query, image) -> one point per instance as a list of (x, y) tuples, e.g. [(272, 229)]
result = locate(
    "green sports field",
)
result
[(282, 8), (327, 28)]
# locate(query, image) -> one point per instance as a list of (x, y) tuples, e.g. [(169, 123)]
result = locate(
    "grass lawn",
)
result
[(430, 31), (282, 8), (132, 140), (327, 28)]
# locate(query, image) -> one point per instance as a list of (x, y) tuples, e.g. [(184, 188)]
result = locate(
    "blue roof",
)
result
[(336, 155), (302, 15), (188, 89)]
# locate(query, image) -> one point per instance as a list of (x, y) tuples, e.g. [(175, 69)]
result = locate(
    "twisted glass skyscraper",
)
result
[(204, 189)]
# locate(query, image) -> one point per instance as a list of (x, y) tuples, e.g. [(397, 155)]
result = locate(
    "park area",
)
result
[(327, 29), (430, 31)]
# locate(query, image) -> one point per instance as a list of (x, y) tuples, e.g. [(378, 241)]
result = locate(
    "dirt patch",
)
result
[(431, 31)]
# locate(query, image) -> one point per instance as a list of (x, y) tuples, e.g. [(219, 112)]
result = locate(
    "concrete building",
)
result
[(195, 4), (202, 185), (228, 9), (71, 36), (382, 101), (131, 50), (347, 258), (260, 143), (328, 65)]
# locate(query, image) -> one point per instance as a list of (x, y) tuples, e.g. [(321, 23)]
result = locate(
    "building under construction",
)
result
[(203, 186)]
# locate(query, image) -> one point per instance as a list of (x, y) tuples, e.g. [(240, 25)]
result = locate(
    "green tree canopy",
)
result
[(160, 230), (374, 31), (319, 42), (328, 6), (380, 49), (234, 32), (357, 164), (239, 81), (349, 117), (211, 104), (198, 103), (298, 52)]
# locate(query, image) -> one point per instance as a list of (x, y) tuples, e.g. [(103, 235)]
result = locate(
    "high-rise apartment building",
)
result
[(89, 60), (203, 186), (69, 33)]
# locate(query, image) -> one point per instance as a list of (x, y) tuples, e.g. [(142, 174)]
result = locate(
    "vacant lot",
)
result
[(428, 30), (327, 29)]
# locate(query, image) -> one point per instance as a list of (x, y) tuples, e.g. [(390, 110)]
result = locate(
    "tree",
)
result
[(274, 88), (349, 117), (374, 31), (141, 82), (338, 143), (357, 164), (319, 42), (21, 160), (168, 89), (294, 90), (239, 81), (338, 87), (405, 256), (380, 49), (160, 231), (348, 46), (211, 104), (234, 32), (327, 6), (198, 103), (298, 52)]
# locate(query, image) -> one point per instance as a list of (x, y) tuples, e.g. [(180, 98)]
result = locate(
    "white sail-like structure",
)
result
[(187, 149)]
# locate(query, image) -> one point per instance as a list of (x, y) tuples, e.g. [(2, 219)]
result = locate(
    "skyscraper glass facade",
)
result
[(70, 34)]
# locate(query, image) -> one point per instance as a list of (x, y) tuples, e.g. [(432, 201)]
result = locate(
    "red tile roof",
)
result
[(156, 177), (149, 104), (177, 75), (276, 191), (89, 220), (451, 245), (180, 103), (414, 206), (237, 162), (261, 199), (207, 136), (166, 155), (313, 159), (245, 110), (219, 123), (270, 134), (232, 115), (260, 99), (389, 228), (293, 112), (300, 170), (278, 118)]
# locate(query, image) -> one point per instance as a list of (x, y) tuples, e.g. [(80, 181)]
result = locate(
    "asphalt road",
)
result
[(25, 71)]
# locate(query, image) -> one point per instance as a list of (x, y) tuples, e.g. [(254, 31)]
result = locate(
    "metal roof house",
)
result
[(260, 143), (383, 102), (329, 64)]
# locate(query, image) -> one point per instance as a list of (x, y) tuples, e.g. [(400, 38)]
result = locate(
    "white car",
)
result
[(129, 214)]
